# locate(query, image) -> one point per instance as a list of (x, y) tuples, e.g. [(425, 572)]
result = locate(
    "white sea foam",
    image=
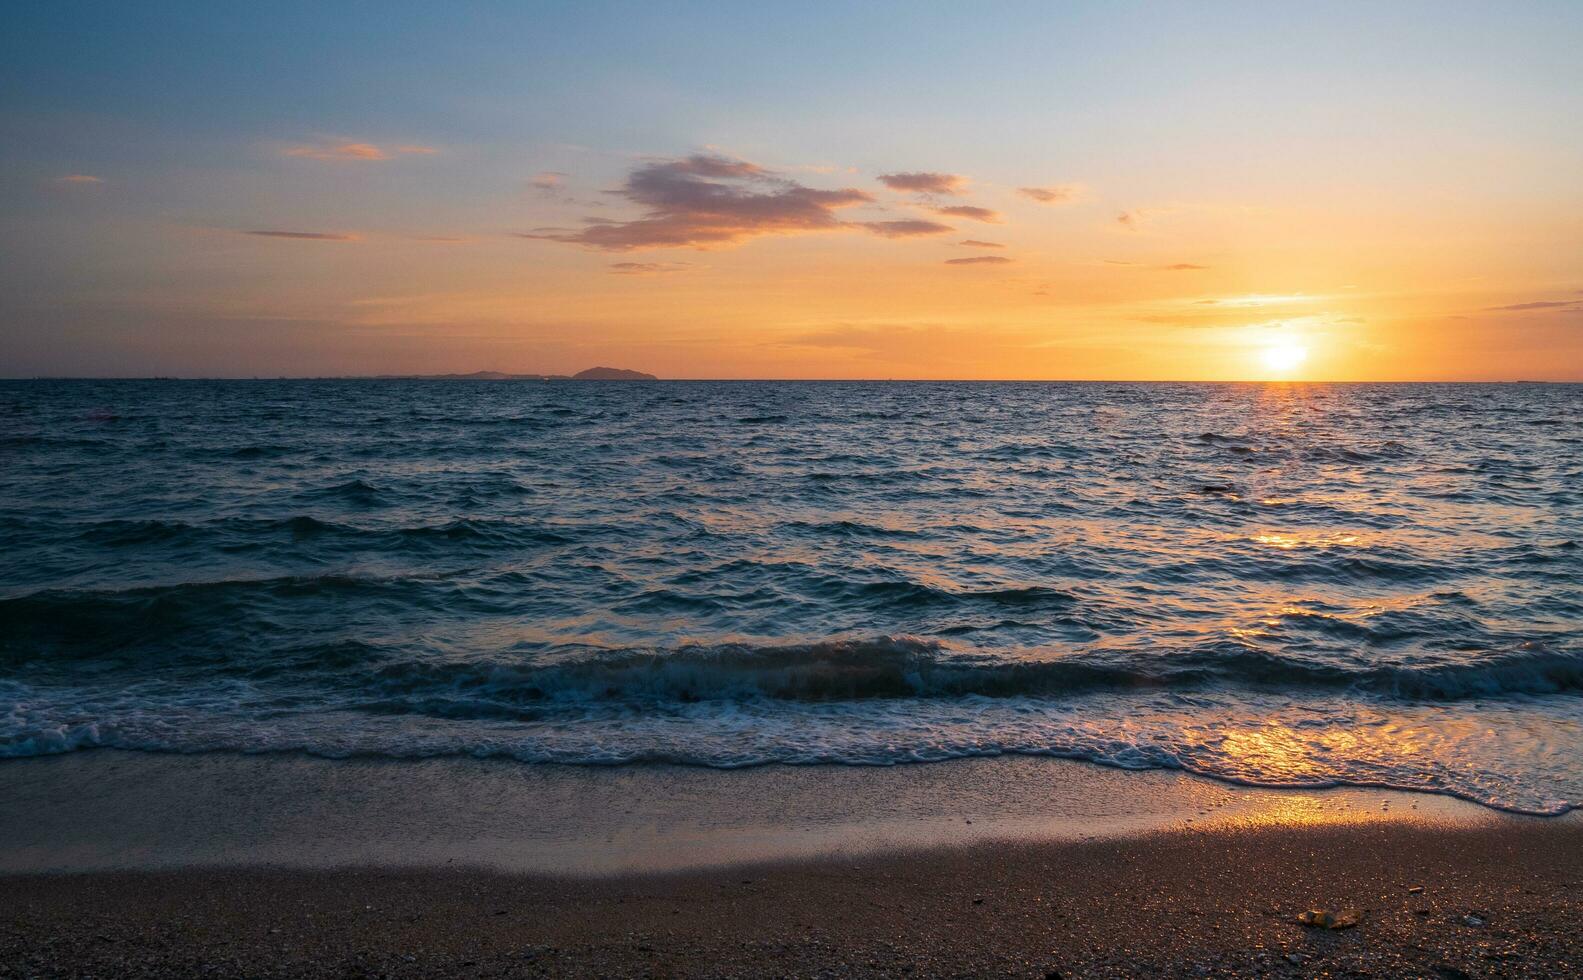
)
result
[(1504, 755)]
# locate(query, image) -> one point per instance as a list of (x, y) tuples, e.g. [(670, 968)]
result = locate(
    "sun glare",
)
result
[(1283, 356)]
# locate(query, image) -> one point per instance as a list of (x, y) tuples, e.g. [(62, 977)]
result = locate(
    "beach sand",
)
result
[(123, 864)]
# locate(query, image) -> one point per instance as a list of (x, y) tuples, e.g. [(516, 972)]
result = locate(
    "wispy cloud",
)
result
[(351, 150), (919, 182), (316, 236), (921, 344), (969, 212), (975, 243), (1055, 194), (79, 179), (979, 260), (907, 228), (703, 201), (1136, 218), (647, 268), (548, 180), (1183, 267), (1548, 304)]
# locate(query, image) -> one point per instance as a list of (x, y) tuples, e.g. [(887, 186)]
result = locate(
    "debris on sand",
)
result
[(1330, 919)]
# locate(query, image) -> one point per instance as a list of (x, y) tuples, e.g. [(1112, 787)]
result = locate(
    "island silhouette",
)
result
[(612, 374)]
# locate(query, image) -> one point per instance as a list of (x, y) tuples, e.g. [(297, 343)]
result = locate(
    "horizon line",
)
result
[(527, 377)]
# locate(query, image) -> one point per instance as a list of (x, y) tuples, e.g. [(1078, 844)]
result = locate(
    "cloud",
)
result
[(317, 236), (548, 180), (344, 150), (441, 239), (927, 346), (1197, 318), (1183, 267), (924, 183), (979, 260), (1057, 194), (1136, 218), (909, 228), (1537, 305), (79, 179), (337, 151), (646, 268), (970, 212), (975, 243), (702, 201)]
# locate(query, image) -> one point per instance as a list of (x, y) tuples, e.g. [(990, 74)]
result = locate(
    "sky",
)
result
[(1334, 191)]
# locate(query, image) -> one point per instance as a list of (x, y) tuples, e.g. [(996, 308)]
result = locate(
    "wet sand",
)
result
[(110, 810), (1500, 895)]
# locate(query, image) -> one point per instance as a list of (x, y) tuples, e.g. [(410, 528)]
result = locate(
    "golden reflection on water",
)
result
[(1292, 541), (1277, 751), (1317, 809), (1298, 808)]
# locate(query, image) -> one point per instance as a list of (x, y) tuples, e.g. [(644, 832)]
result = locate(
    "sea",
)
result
[(1274, 584)]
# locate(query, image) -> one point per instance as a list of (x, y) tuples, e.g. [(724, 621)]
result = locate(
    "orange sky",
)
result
[(1092, 194)]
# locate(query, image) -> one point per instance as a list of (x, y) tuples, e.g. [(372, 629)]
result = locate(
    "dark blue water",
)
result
[(1306, 584)]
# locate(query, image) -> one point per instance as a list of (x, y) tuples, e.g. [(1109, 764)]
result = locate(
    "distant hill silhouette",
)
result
[(612, 374)]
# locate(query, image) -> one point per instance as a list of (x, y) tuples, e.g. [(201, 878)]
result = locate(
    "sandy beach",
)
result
[(1434, 903), (538, 873)]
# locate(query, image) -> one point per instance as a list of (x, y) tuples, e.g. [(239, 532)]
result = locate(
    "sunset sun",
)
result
[(1283, 356)]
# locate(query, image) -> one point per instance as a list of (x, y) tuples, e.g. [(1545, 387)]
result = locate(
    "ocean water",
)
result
[(1307, 585)]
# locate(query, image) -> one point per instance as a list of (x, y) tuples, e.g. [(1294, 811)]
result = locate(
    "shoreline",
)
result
[(124, 864), (116, 810)]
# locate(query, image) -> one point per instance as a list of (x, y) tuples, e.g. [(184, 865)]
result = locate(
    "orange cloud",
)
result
[(1536, 305), (970, 212), (702, 201), (1136, 218), (344, 150), (1058, 194), (317, 236), (924, 183), (979, 260), (908, 228), (975, 243), (646, 268), (1183, 267), (79, 179)]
